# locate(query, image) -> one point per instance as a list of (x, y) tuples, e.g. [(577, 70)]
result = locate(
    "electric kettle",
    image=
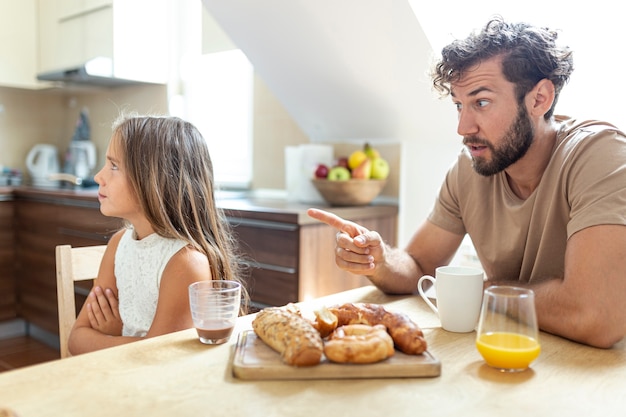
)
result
[(81, 158), (41, 161)]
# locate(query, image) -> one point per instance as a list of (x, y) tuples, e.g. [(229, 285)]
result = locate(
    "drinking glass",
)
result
[(508, 335), (214, 309)]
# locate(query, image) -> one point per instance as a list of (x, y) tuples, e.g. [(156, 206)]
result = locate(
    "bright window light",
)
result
[(219, 102), (592, 32)]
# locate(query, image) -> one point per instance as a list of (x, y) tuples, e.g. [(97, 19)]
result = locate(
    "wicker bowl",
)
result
[(351, 192)]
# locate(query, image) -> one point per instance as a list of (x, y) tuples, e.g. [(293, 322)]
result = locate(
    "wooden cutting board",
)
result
[(253, 359)]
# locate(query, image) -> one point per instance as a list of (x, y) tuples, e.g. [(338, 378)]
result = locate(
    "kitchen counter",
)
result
[(277, 209), (6, 193), (241, 204), (87, 197)]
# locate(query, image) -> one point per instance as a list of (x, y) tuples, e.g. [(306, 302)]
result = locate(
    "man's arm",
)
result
[(589, 304)]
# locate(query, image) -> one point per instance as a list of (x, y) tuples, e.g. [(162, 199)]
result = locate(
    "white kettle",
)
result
[(41, 161), (81, 158)]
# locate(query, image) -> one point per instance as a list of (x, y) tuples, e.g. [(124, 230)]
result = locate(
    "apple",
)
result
[(380, 168), (321, 171), (363, 171), (343, 162), (338, 174)]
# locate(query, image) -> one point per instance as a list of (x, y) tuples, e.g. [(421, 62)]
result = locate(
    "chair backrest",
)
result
[(73, 264)]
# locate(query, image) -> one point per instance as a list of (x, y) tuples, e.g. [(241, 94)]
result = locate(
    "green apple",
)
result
[(338, 174), (380, 169)]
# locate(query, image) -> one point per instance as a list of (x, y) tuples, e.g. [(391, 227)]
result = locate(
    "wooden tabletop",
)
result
[(175, 375)]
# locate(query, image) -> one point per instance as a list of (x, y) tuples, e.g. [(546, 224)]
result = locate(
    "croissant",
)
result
[(406, 335)]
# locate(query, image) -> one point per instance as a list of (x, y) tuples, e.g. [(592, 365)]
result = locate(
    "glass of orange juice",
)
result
[(508, 335)]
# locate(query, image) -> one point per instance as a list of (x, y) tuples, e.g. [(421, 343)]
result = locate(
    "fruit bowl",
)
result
[(352, 192)]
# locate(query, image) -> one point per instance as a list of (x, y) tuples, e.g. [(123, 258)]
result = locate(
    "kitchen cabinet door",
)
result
[(18, 49), (41, 226), (73, 31), (134, 35), (8, 304)]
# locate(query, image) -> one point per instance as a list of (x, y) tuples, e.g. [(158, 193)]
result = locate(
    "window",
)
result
[(591, 32), (219, 102)]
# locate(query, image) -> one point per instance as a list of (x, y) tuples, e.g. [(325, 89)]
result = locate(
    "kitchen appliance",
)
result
[(97, 72), (41, 161), (80, 159)]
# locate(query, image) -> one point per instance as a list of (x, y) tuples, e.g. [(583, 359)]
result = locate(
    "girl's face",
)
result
[(115, 194)]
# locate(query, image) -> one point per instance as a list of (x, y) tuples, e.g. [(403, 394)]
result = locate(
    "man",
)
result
[(542, 197)]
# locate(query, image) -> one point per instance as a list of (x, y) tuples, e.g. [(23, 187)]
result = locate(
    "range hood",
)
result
[(97, 72)]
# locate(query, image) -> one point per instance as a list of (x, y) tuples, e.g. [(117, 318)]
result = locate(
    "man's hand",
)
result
[(358, 250), (103, 312)]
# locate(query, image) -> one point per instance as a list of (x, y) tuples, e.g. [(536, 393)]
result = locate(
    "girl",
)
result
[(158, 177)]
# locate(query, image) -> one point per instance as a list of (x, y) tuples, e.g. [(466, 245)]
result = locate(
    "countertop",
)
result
[(258, 206)]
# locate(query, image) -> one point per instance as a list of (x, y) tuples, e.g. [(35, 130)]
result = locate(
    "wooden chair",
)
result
[(73, 264)]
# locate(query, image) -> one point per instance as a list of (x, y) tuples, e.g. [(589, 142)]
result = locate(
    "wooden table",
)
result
[(175, 375)]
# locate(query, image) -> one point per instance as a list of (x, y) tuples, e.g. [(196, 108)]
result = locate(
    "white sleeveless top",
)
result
[(139, 265)]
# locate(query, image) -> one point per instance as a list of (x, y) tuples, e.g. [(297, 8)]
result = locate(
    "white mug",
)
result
[(459, 296)]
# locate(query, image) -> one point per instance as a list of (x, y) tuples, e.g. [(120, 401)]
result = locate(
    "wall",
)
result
[(49, 116), (27, 117), (274, 129)]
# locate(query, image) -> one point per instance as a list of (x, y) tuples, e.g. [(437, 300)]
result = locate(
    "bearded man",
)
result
[(542, 197)]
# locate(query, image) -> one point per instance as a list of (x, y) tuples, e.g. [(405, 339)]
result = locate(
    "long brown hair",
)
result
[(170, 170)]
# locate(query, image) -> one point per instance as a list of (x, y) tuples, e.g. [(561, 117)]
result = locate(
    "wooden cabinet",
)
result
[(133, 36), (18, 49), (292, 257), (72, 32), (8, 304), (43, 222)]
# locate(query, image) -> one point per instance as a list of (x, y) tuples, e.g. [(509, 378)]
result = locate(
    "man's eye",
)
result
[(458, 106), (482, 103)]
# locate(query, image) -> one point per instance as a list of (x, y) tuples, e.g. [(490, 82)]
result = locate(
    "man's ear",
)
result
[(539, 100)]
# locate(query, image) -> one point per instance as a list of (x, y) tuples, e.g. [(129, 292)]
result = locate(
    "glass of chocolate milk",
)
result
[(214, 309)]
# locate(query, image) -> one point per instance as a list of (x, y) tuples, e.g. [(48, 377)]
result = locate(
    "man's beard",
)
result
[(515, 144)]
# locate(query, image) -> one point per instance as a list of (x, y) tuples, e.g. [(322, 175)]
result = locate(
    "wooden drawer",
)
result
[(268, 243), (271, 250), (272, 287)]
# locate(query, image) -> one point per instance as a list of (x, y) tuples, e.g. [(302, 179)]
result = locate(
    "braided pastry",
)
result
[(291, 335)]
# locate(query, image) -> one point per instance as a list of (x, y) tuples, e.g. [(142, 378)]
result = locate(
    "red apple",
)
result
[(343, 162), (321, 171)]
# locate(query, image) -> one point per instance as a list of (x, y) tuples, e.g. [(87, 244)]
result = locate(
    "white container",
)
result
[(300, 164), (42, 161)]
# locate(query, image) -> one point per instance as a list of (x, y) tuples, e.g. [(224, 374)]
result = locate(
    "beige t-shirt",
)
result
[(583, 185)]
